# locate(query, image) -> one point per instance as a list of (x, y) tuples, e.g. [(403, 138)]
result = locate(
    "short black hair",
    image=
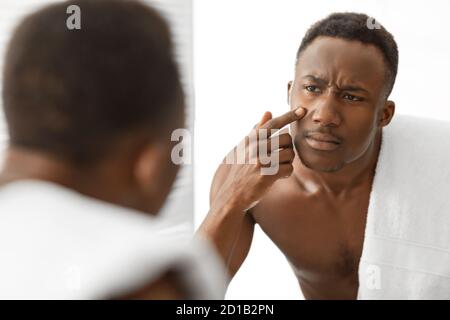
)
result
[(73, 93), (355, 26)]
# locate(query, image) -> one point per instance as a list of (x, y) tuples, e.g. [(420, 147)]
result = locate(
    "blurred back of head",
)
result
[(73, 93)]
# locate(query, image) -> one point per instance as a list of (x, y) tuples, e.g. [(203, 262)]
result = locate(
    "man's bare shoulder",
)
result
[(287, 198)]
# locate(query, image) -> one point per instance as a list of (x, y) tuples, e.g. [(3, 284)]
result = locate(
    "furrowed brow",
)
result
[(316, 79), (353, 89)]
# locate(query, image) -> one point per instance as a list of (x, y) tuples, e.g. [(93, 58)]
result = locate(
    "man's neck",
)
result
[(24, 164), (340, 183)]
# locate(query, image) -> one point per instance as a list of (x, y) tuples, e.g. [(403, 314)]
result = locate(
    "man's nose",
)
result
[(325, 112)]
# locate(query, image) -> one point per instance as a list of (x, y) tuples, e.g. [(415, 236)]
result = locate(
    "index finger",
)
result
[(279, 122)]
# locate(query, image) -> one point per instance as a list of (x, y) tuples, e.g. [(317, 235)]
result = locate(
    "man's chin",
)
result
[(321, 166), (314, 162)]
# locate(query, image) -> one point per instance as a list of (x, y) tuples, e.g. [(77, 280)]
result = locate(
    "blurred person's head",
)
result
[(93, 109), (345, 71)]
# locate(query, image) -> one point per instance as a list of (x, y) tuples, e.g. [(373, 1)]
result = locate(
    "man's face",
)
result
[(341, 84)]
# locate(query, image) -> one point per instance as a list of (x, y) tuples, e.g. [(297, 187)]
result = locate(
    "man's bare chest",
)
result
[(319, 237)]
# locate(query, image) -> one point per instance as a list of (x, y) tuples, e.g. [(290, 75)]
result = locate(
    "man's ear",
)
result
[(147, 168), (386, 113), (289, 88)]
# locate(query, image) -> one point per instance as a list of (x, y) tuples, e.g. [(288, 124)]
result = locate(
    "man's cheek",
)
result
[(297, 100), (296, 130)]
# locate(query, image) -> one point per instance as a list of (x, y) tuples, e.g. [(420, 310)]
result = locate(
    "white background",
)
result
[(243, 57)]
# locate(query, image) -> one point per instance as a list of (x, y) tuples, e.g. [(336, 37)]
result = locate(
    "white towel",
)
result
[(58, 244), (406, 253)]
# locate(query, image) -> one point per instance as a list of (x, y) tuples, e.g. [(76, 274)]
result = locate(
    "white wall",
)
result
[(244, 55)]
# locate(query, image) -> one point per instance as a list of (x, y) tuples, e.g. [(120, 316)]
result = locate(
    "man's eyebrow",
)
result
[(314, 78), (353, 88), (344, 88)]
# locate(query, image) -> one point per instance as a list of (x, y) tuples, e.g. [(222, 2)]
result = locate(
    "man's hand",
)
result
[(242, 185), (238, 186)]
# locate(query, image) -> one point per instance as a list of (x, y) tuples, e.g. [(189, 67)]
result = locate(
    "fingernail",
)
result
[(299, 111)]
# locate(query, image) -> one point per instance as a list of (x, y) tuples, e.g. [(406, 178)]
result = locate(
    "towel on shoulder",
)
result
[(58, 244), (406, 252)]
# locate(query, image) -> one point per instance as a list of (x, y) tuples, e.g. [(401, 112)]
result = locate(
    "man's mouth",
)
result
[(324, 137), (323, 141)]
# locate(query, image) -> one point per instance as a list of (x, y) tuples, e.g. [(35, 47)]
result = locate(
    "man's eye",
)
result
[(313, 89), (352, 97)]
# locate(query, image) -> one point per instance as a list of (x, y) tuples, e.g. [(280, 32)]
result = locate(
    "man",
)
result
[(344, 75), (90, 113)]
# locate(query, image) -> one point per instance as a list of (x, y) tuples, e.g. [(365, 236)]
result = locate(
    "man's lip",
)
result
[(324, 137), (322, 145)]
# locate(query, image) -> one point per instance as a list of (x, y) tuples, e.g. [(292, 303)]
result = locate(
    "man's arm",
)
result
[(232, 234), (242, 245), (237, 187), (244, 237)]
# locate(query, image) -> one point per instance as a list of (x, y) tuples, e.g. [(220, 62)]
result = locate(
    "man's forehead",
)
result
[(334, 58)]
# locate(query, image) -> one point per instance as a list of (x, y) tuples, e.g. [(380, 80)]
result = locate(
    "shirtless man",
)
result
[(345, 72)]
